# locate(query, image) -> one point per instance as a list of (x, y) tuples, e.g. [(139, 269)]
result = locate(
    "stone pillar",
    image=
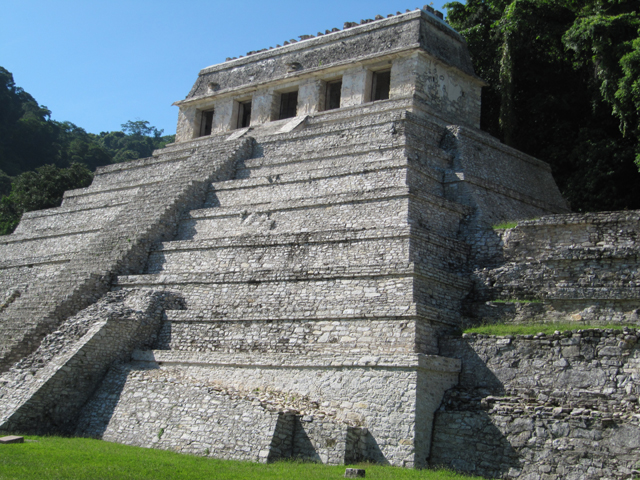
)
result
[(311, 97), (187, 128), (356, 87), (225, 116), (263, 108), (403, 77)]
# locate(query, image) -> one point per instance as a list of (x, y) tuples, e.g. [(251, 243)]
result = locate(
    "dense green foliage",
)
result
[(57, 458), (38, 189), (40, 158), (564, 81)]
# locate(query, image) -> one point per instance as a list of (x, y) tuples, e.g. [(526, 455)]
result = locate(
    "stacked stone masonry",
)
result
[(290, 288), (543, 406)]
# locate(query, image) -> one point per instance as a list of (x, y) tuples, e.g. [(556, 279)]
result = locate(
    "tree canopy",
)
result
[(564, 81), (40, 158)]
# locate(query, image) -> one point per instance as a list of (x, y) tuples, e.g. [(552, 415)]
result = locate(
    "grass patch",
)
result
[(62, 458), (505, 225), (502, 329)]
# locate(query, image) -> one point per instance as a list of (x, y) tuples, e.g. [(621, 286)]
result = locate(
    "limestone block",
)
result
[(356, 87), (310, 97), (187, 128), (263, 108), (403, 76), (444, 89), (225, 115)]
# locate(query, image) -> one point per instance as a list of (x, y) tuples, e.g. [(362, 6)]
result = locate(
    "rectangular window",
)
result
[(206, 123), (288, 105), (380, 85), (332, 96), (244, 114)]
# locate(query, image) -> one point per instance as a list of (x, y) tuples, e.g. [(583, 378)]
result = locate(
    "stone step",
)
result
[(97, 198), (340, 156), (45, 244), (416, 330), (328, 292), (285, 251), (359, 160), (248, 193), (308, 250), (426, 313), (323, 181), (34, 261), (305, 336), (383, 208), (305, 171), (60, 220), (137, 172), (284, 360)]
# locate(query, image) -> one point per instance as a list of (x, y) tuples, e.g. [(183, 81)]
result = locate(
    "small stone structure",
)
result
[(287, 278)]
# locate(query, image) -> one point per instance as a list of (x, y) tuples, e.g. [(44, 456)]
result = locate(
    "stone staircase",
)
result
[(75, 269)]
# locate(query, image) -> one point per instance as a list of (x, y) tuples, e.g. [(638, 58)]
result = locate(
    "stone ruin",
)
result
[(290, 277)]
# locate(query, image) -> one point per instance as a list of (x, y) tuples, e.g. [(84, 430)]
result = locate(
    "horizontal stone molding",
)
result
[(421, 361)]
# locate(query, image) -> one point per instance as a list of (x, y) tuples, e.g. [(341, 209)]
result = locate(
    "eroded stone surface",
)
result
[(290, 289)]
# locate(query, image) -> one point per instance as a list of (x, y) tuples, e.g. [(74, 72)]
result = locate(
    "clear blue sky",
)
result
[(99, 63)]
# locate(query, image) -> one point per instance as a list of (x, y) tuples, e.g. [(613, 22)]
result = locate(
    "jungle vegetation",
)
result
[(40, 158)]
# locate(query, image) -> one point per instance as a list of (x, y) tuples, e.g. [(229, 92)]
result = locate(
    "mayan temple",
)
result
[(290, 278)]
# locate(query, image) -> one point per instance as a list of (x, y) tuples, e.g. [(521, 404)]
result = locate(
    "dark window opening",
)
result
[(288, 105), (244, 114), (380, 85), (206, 123), (333, 95)]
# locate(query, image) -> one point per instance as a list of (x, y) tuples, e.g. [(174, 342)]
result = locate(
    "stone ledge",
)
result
[(281, 275), (35, 261), (291, 178), (392, 193), (34, 237), (631, 216), (594, 294), (65, 210), (205, 316), (266, 240), (415, 311), (425, 362)]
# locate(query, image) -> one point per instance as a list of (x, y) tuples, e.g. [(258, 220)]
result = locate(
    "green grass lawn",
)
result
[(45, 458), (502, 329)]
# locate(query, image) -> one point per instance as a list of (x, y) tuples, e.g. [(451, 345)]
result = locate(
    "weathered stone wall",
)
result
[(45, 391), (174, 392), (428, 61), (542, 406), (581, 268)]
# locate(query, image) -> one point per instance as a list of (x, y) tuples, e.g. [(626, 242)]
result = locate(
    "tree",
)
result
[(546, 96), (141, 128), (137, 140), (42, 188)]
